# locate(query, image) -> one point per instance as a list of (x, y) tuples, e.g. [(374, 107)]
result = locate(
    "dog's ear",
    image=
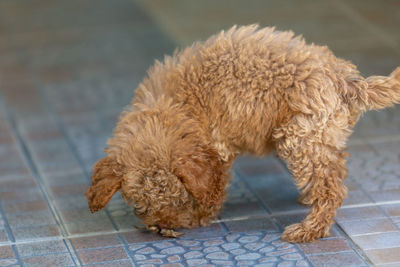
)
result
[(106, 180), (202, 174)]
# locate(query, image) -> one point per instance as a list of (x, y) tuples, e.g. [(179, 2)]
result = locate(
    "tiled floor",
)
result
[(67, 69)]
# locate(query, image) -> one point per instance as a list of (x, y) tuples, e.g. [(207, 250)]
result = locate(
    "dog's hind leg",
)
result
[(318, 170)]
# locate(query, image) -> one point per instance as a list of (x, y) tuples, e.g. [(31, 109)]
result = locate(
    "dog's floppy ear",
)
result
[(106, 180), (202, 174)]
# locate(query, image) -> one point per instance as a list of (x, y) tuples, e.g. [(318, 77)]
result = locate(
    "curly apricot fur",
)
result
[(247, 90)]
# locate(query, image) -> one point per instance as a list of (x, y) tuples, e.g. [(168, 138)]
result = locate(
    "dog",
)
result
[(243, 91)]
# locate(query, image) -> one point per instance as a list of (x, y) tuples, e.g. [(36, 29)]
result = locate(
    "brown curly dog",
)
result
[(247, 90)]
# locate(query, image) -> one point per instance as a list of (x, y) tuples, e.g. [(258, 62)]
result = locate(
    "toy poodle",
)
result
[(246, 90)]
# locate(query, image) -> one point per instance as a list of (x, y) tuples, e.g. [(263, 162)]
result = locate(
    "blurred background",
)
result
[(68, 68)]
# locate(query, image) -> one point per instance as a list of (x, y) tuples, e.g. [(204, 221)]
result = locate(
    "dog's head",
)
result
[(164, 165)]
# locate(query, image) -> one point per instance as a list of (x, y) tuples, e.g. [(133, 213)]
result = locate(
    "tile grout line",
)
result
[(272, 218), (27, 156), (75, 153), (10, 235), (122, 240), (7, 227), (354, 246)]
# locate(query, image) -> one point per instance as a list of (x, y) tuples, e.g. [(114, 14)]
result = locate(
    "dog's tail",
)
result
[(382, 91)]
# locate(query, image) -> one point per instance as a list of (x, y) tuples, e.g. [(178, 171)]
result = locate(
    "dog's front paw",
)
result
[(164, 232), (297, 233), (170, 233)]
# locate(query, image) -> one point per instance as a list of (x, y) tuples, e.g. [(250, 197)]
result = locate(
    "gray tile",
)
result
[(3, 235), (278, 193), (385, 256), (97, 241), (334, 245), (31, 218), (368, 226), (34, 232), (341, 259), (262, 224), (41, 248), (240, 210), (214, 229), (393, 210), (100, 255), (6, 251), (359, 213), (49, 260), (378, 241), (89, 226)]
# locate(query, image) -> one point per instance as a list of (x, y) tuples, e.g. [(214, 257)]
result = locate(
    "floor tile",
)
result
[(82, 214), (49, 260), (325, 246), (277, 193), (21, 195), (384, 256), (8, 262), (341, 259), (72, 177), (385, 195), (39, 205), (71, 203), (41, 248), (127, 222), (96, 241), (370, 226), (357, 197), (100, 255), (6, 252), (33, 232), (89, 226), (214, 229), (393, 210), (359, 213), (238, 210), (252, 166), (11, 184), (121, 263), (378, 241), (138, 236), (233, 249), (31, 218), (68, 190), (262, 224), (3, 236)]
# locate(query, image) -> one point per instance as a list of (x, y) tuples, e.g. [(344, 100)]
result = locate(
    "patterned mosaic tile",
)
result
[(252, 248)]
